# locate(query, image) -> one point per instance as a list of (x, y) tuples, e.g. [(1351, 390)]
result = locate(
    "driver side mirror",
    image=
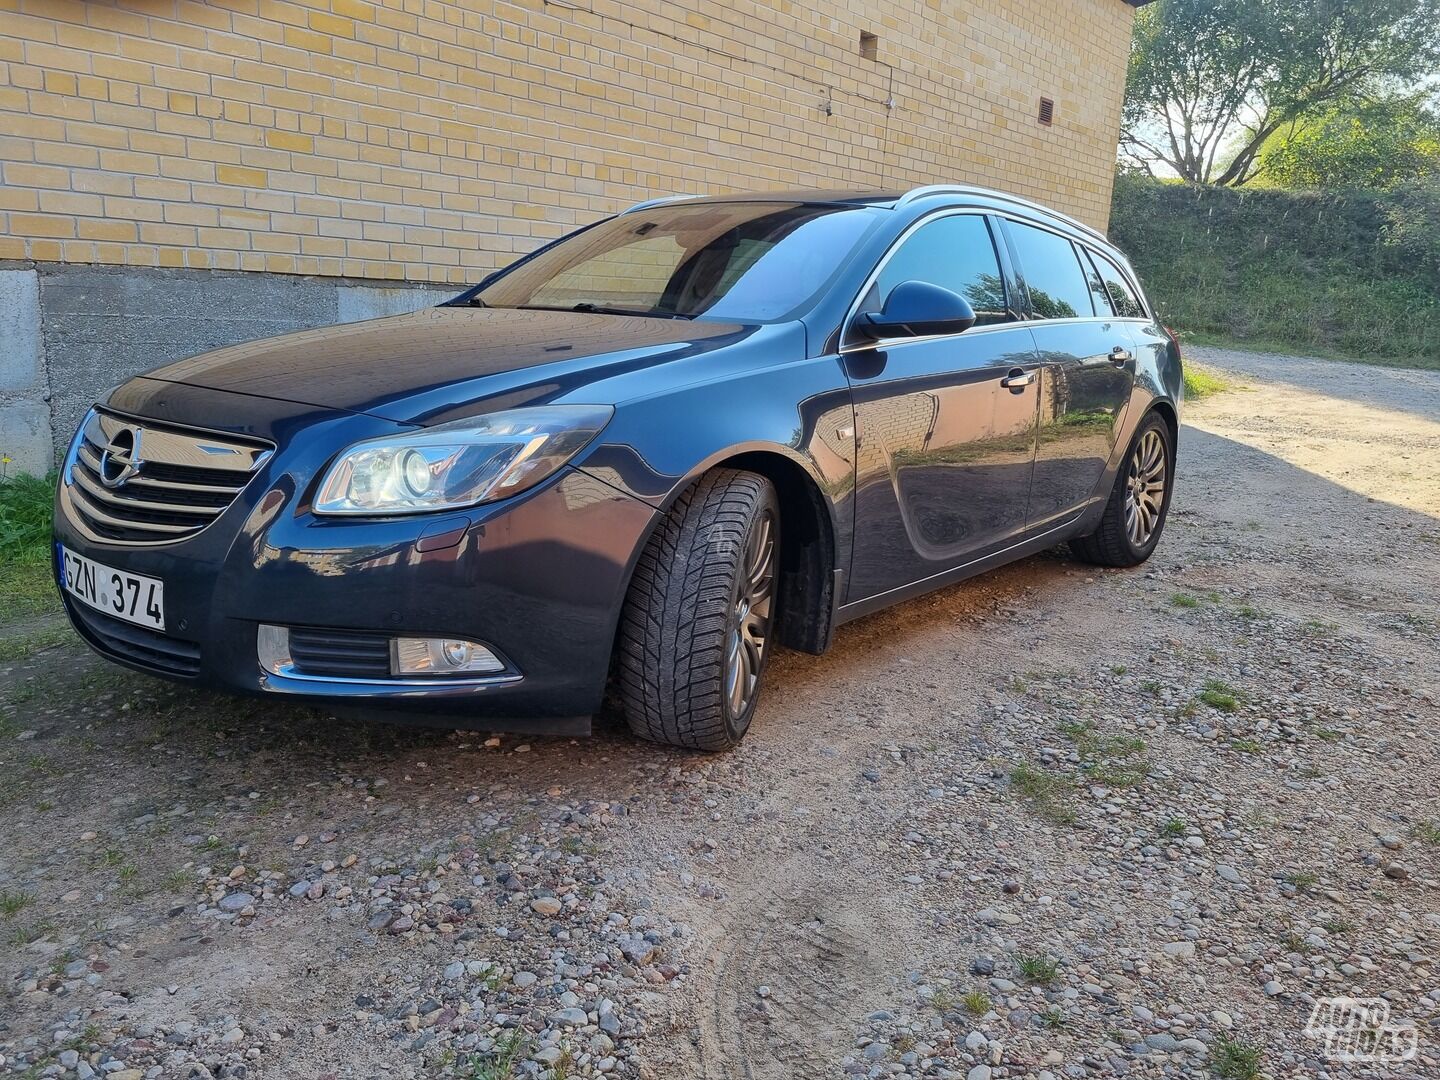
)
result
[(917, 309)]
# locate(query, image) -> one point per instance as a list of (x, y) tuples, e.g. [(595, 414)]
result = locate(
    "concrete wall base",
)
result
[(69, 333)]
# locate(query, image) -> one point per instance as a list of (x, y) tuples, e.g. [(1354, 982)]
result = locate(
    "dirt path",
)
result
[(1051, 821)]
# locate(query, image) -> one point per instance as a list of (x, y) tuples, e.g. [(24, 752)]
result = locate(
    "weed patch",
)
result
[(1052, 796)]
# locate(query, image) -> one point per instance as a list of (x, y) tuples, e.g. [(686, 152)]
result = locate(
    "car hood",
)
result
[(444, 363)]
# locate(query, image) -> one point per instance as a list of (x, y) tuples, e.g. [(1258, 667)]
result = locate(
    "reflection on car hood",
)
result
[(423, 366)]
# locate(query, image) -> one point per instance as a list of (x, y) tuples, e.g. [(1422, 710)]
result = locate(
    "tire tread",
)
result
[(672, 630)]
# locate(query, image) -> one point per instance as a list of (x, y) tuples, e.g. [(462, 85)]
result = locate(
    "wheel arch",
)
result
[(807, 548), (1166, 408), (810, 538)]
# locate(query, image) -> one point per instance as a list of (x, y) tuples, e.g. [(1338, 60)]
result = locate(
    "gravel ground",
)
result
[(1049, 823)]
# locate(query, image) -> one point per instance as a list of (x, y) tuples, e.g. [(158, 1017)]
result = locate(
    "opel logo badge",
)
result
[(121, 459)]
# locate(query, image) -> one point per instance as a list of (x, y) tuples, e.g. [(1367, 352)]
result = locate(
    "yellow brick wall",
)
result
[(434, 139)]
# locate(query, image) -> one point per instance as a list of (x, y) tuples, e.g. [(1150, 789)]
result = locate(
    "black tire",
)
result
[(1111, 544), (683, 614)]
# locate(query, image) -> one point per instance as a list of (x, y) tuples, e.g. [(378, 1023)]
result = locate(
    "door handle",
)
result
[(1017, 380), (1119, 355)]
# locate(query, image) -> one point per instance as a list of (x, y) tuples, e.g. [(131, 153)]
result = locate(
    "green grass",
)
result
[(976, 1003), (12, 902), (1235, 1059), (1037, 970), (20, 646), (25, 583), (1220, 696), (1111, 760), (501, 1062), (1427, 832), (1303, 880), (1051, 795), (1292, 942), (1184, 600), (28, 590), (1202, 383), (1053, 1019), (1311, 274), (1174, 828), (24, 935), (25, 518)]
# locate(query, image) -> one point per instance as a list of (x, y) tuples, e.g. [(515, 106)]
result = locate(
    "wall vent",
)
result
[(1047, 111), (869, 46)]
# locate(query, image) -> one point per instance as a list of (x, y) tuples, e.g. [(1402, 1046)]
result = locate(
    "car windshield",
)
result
[(740, 261)]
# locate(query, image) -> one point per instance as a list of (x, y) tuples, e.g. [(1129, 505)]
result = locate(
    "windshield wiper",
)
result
[(601, 309)]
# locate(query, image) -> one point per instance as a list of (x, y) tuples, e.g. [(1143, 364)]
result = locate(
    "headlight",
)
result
[(460, 464)]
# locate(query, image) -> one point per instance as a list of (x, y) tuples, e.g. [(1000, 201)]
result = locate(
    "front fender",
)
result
[(799, 411)]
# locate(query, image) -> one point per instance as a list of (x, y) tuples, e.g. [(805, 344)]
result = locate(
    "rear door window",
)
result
[(1103, 306), (1050, 267), (1127, 303)]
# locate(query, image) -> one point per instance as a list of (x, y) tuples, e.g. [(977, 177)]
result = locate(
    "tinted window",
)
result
[(747, 261), (1127, 304), (1097, 287), (1051, 269), (954, 252), (633, 276)]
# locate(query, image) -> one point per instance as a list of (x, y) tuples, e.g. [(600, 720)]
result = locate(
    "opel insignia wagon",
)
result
[(638, 458)]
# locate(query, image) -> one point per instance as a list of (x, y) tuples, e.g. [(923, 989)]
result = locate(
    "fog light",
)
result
[(441, 656), (273, 644)]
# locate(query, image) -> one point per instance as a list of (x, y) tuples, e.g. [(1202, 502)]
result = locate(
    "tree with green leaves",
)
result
[(1211, 81), (1375, 145)]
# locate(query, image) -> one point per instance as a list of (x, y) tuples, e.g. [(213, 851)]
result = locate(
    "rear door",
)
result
[(944, 450), (1088, 369), (1152, 341)]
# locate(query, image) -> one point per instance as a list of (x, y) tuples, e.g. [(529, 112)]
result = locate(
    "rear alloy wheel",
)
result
[(1146, 483), (1135, 513), (698, 624)]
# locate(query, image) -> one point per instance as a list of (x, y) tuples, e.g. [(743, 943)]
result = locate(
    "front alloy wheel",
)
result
[(750, 619), (698, 623)]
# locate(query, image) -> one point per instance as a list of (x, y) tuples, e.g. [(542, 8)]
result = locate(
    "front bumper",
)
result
[(540, 578)]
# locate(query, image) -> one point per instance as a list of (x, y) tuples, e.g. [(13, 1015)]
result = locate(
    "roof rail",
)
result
[(658, 202), (969, 189)]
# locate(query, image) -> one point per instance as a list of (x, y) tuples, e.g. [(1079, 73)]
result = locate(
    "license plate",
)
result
[(119, 593)]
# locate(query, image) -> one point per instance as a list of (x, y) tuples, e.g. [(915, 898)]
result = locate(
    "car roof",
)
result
[(892, 199), (817, 195)]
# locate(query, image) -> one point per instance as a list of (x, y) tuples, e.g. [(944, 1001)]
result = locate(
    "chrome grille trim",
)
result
[(90, 458), (133, 481), (95, 491)]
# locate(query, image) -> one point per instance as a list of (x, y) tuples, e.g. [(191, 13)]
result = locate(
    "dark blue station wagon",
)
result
[(638, 459)]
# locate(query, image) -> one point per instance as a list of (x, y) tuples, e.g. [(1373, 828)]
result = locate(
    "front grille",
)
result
[(140, 482), (157, 652), (343, 654)]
